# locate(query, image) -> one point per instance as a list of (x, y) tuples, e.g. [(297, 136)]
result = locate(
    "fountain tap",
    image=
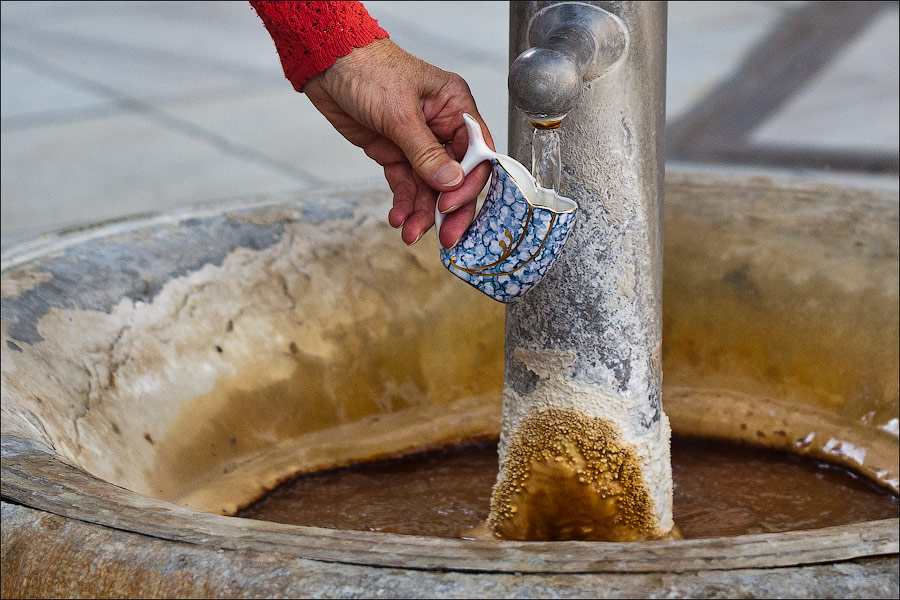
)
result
[(584, 345), (571, 42)]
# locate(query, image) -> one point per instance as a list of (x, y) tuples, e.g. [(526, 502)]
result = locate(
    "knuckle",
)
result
[(429, 155)]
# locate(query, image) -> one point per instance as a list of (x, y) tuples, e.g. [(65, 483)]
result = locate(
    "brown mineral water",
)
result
[(720, 490)]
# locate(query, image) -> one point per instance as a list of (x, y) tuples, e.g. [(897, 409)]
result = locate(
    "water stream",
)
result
[(546, 163)]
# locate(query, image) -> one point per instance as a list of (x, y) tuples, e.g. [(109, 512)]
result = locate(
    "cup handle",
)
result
[(476, 153)]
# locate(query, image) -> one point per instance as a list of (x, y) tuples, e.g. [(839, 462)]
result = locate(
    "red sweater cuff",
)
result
[(310, 36)]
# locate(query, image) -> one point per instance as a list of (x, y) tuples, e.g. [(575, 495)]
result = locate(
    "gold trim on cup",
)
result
[(474, 270)]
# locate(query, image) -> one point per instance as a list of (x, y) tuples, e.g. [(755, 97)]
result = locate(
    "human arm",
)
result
[(399, 109)]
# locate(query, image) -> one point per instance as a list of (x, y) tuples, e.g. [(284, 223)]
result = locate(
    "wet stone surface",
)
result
[(100, 272)]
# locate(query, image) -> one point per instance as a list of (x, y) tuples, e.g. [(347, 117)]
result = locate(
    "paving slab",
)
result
[(27, 95), (149, 51), (708, 41), (438, 31), (284, 125), (25, 15), (122, 107), (854, 102), (221, 32), (97, 169)]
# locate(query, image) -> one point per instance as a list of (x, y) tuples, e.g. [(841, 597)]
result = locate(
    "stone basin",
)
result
[(161, 373)]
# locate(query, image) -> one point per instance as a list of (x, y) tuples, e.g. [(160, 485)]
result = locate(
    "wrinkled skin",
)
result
[(401, 111)]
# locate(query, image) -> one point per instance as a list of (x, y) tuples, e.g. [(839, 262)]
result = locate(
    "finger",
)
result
[(385, 152), (426, 154), (455, 225), (422, 217), (444, 112), (400, 179), (468, 191)]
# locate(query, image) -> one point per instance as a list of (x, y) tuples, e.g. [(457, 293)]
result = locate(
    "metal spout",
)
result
[(571, 43)]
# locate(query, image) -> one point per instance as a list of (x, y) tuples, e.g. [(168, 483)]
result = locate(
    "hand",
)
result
[(401, 110)]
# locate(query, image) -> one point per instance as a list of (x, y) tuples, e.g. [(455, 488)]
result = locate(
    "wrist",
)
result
[(381, 56)]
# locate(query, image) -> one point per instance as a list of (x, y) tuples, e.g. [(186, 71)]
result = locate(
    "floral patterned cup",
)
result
[(518, 233)]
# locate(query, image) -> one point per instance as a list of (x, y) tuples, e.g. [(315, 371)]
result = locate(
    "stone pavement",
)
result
[(118, 108)]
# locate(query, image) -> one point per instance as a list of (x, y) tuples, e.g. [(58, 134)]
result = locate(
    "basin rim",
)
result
[(34, 476)]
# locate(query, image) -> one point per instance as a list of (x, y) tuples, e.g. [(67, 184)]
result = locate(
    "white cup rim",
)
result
[(537, 197)]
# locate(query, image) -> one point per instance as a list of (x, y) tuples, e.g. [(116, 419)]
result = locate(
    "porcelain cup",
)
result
[(517, 235)]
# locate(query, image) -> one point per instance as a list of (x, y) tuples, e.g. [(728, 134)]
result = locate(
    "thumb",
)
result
[(428, 158)]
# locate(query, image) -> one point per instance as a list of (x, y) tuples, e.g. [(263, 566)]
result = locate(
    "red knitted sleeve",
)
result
[(310, 36)]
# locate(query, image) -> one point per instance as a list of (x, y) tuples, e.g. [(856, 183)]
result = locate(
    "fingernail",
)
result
[(449, 175), (450, 210), (455, 242), (418, 237)]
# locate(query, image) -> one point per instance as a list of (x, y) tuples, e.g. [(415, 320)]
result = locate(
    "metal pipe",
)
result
[(584, 449)]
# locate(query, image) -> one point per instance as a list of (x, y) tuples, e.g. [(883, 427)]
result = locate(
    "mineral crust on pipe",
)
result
[(570, 471)]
